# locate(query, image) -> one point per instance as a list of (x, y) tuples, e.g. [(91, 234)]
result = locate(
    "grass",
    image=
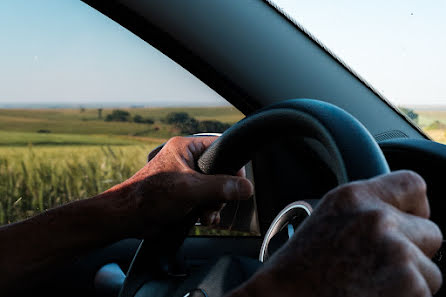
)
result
[(75, 121), (84, 155), (33, 179), (427, 117), (433, 123), (80, 157), (39, 139)]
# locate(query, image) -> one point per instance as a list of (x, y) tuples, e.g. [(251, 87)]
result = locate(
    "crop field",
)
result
[(49, 157), (433, 123), (34, 178), (88, 121)]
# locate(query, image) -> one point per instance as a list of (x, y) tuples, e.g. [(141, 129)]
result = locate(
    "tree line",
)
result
[(181, 120)]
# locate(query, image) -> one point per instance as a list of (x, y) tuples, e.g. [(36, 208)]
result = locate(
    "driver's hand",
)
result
[(168, 188), (368, 238)]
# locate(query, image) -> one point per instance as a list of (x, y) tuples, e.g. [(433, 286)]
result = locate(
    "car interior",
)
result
[(311, 124)]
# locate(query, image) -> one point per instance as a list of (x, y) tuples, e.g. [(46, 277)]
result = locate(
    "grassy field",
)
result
[(79, 155), (433, 123), (87, 122), (33, 179)]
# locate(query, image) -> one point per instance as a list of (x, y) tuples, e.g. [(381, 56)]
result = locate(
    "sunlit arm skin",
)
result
[(369, 238), (161, 194)]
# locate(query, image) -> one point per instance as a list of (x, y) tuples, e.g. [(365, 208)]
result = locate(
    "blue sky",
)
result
[(66, 52)]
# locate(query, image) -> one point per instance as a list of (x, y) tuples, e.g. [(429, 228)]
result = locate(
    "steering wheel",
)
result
[(335, 135)]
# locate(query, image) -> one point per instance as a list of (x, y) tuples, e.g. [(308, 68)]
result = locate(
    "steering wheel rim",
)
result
[(346, 141)]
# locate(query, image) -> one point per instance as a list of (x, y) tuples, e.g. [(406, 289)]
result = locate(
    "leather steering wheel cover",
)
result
[(351, 146)]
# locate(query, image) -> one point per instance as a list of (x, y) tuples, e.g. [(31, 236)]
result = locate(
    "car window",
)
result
[(82, 103)]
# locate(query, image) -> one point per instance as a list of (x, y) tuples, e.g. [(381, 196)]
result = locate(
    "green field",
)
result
[(33, 179), (78, 155), (87, 122), (433, 123)]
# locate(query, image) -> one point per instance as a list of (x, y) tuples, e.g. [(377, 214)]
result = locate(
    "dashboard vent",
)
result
[(390, 135)]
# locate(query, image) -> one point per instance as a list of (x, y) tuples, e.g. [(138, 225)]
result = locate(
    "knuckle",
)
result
[(435, 229), (397, 251), (411, 180), (174, 141), (435, 237), (437, 233), (346, 195), (379, 220), (404, 255)]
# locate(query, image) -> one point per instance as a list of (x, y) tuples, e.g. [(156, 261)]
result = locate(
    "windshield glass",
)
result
[(397, 46), (82, 103)]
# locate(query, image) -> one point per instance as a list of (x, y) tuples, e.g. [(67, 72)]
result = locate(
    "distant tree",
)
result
[(149, 121), (82, 109), (118, 115), (100, 113), (139, 119), (212, 126), (177, 117), (189, 126), (410, 113)]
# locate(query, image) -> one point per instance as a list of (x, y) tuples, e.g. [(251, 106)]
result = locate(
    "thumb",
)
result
[(213, 189)]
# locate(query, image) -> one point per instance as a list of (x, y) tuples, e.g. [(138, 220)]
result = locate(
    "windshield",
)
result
[(397, 46), (82, 103)]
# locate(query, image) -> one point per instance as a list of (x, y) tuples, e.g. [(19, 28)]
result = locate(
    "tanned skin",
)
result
[(368, 238)]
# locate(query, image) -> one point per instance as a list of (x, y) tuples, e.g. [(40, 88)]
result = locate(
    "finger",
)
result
[(409, 247), (217, 218), (208, 218), (405, 190), (208, 190), (197, 145), (154, 152), (424, 233), (429, 270), (188, 148), (410, 270), (211, 215), (408, 281)]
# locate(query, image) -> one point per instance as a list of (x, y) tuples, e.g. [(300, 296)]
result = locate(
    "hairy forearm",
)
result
[(37, 246)]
